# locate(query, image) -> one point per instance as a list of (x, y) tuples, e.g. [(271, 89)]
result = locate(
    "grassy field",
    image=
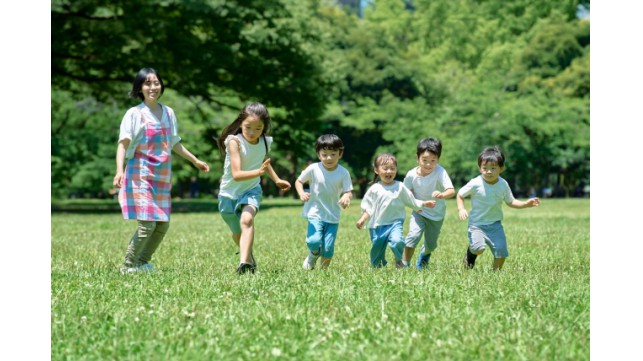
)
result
[(197, 308)]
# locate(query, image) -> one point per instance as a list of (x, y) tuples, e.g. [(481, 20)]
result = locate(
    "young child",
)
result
[(427, 181), (148, 135), (246, 145), (488, 191), (383, 208), (330, 188)]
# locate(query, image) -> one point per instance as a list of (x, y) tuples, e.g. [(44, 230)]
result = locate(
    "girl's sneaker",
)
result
[(245, 268)]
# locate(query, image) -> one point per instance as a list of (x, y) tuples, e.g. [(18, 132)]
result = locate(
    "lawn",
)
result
[(197, 308)]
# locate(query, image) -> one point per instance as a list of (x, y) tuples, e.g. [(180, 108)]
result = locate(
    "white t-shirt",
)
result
[(486, 200), (133, 126), (252, 155), (326, 187), (423, 187), (385, 204)]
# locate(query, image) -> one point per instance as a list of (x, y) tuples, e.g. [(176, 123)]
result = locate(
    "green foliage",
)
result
[(196, 307), (471, 73)]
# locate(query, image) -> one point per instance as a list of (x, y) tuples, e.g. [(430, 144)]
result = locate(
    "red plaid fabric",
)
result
[(146, 191)]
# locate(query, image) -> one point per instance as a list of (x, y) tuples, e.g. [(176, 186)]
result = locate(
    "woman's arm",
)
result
[(186, 154), (120, 162)]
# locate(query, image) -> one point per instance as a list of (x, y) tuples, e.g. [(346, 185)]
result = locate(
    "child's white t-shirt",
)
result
[(486, 200), (386, 204), (326, 187), (252, 155), (423, 187), (133, 126)]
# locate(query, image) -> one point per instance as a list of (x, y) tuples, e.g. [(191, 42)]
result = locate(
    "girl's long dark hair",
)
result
[(255, 109)]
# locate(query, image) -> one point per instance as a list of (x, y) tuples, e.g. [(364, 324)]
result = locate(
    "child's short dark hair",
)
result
[(329, 142), (431, 145), (491, 155), (139, 80)]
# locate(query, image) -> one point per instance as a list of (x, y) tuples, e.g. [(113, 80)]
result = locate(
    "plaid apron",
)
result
[(147, 184)]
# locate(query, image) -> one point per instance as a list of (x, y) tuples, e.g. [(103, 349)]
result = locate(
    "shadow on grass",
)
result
[(178, 205)]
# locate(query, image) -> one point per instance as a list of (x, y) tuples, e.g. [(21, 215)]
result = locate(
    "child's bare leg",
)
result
[(325, 262), (247, 234), (408, 254), (497, 263)]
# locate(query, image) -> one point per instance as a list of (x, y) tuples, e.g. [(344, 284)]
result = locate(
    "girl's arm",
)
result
[(360, 222), (235, 164), (120, 161), (185, 154), (462, 212), (448, 193), (284, 185), (531, 202)]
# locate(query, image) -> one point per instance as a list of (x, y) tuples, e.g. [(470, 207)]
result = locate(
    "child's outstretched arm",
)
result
[(187, 155), (360, 222), (284, 185), (462, 212), (303, 195), (448, 193), (345, 200), (531, 202)]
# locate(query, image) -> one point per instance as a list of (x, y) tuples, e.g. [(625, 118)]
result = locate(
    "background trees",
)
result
[(472, 73)]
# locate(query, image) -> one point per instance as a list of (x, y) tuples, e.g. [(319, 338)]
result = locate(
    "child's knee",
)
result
[(477, 250), (247, 220)]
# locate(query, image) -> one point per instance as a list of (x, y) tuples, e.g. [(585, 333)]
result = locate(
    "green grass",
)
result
[(197, 308)]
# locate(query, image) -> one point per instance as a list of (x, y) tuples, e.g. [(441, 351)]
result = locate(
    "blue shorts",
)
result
[(492, 235), (321, 237), (231, 209)]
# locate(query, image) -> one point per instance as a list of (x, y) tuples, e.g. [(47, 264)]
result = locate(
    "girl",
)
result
[(383, 208), (148, 134), (246, 146)]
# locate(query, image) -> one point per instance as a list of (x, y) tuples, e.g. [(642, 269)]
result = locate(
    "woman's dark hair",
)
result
[(255, 109), (140, 78)]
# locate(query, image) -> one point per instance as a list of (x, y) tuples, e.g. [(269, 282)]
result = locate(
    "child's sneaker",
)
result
[(423, 261), (400, 264), (309, 262)]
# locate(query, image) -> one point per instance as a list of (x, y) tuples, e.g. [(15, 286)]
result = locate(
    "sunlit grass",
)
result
[(197, 308)]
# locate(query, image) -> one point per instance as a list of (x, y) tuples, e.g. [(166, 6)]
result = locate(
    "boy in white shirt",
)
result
[(330, 187), (427, 181), (488, 191)]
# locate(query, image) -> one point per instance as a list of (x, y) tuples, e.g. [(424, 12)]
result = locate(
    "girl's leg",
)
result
[(246, 239), (396, 243), (325, 262), (160, 229), (378, 249), (144, 230)]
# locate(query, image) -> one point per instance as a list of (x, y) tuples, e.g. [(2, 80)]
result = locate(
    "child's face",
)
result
[(387, 172), (427, 161), (329, 158), (490, 172), (251, 129), (151, 88)]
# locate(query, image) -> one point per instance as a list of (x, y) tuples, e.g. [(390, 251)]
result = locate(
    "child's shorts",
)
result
[(231, 209), (419, 225), (491, 234)]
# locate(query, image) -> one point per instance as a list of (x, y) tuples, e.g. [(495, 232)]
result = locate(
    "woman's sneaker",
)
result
[(245, 268), (309, 262)]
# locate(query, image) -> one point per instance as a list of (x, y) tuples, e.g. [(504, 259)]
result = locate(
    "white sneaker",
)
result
[(145, 268), (309, 262)]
